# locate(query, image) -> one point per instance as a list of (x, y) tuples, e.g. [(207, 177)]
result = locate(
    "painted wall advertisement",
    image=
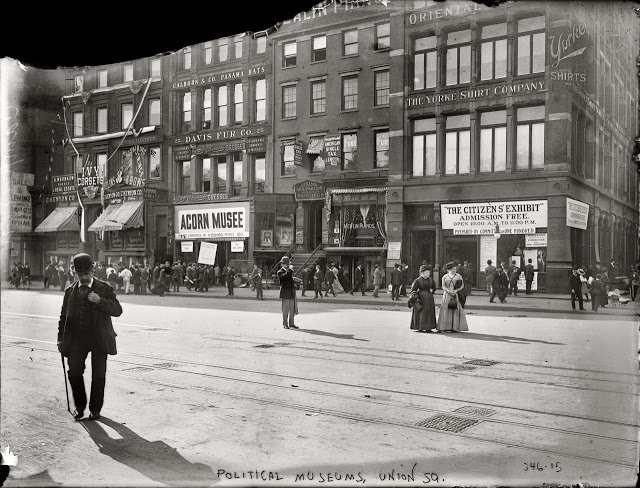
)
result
[(223, 221), (519, 217), (577, 214), (20, 210)]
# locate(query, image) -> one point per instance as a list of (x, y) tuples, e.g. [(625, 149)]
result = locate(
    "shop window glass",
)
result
[(349, 150), (531, 45), (493, 141), (349, 92), (381, 87), (284, 229), (265, 225), (458, 57), (493, 52), (382, 148), (425, 63)]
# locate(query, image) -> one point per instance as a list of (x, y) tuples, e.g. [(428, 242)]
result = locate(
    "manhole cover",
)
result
[(138, 369), (459, 367), (482, 362), (478, 411), (265, 346), (165, 365), (450, 423)]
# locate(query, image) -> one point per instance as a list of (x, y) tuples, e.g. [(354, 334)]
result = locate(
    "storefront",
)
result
[(357, 228), (62, 227), (224, 225), (502, 232)]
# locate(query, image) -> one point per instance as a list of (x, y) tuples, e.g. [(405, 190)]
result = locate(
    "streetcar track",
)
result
[(369, 419), (349, 385), (376, 353)]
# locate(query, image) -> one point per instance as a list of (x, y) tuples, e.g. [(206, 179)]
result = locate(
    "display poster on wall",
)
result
[(522, 284), (577, 214), (531, 254), (332, 147), (186, 246), (488, 250), (535, 240), (393, 250), (518, 217), (212, 221), (237, 246), (207, 254)]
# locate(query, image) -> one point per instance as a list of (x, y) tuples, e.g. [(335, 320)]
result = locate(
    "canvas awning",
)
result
[(316, 144), (60, 220), (119, 216)]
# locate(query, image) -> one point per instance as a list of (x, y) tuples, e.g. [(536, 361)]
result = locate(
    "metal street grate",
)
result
[(449, 423), (478, 411), (138, 369), (460, 367), (165, 365), (482, 362)]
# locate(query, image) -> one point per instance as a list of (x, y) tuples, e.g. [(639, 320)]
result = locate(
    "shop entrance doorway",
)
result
[(462, 249), (423, 243), (313, 218)]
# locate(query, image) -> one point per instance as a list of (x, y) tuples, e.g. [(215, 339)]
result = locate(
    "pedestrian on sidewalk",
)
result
[(135, 278), (230, 275), (144, 278), (305, 279), (343, 279), (489, 273), (358, 279), (377, 280), (500, 285), (584, 282), (256, 278), (396, 281), (576, 288), (329, 278), (85, 327), (317, 281), (635, 282), (216, 275), (287, 293), (452, 317), (597, 293), (514, 274), (528, 275), (423, 316)]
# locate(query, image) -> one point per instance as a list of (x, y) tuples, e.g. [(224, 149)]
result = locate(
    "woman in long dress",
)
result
[(451, 319), (423, 318), (337, 286)]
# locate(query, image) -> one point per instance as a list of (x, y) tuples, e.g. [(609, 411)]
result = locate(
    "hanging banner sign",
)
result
[(332, 146), (519, 217), (63, 183), (256, 145), (207, 254), (488, 250), (309, 190), (577, 214), (237, 246), (212, 221)]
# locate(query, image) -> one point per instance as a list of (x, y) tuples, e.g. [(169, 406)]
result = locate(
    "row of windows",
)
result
[(491, 137), (348, 96), (492, 60), (222, 50), (223, 105), (349, 45), (154, 117), (348, 152), (126, 75), (213, 173)]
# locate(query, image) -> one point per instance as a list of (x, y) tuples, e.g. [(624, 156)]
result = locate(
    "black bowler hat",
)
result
[(82, 263)]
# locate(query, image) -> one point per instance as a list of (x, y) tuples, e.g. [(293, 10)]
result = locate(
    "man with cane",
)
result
[(85, 327)]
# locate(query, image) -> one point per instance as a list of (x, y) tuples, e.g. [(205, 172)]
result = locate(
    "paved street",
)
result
[(212, 390)]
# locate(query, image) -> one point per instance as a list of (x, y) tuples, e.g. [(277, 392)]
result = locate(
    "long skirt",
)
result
[(425, 318), (337, 287), (451, 318)]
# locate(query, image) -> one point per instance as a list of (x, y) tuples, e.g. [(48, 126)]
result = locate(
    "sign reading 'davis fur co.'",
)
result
[(521, 217), (577, 214), (212, 221)]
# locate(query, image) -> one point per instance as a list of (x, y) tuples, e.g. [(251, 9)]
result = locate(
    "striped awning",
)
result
[(119, 216), (316, 145), (60, 220)]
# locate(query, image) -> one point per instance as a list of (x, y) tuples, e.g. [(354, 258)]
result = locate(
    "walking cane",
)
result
[(66, 387)]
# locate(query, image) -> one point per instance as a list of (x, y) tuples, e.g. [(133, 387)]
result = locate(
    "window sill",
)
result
[(382, 49), (318, 115), (346, 56), (289, 118), (318, 62), (289, 67), (380, 106), (349, 110), (287, 176)]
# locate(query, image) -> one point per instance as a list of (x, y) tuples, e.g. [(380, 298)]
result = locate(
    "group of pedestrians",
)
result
[(594, 284), (20, 275), (451, 316)]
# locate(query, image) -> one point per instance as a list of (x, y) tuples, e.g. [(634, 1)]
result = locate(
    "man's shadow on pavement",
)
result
[(330, 334), (156, 460), (489, 337)]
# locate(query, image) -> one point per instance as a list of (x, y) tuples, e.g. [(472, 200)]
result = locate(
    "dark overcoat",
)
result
[(287, 285), (100, 314)]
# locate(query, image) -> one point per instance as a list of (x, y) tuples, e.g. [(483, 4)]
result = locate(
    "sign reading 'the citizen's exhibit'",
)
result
[(521, 217), (222, 221)]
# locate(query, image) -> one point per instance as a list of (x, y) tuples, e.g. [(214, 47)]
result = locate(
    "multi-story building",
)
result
[(331, 85), (517, 128), (108, 194), (219, 108)]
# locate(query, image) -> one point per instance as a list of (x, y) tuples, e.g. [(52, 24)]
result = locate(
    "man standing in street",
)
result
[(576, 289), (500, 285), (287, 293), (358, 279), (396, 281), (528, 275), (317, 281), (256, 278), (144, 278), (230, 275), (489, 271), (377, 280), (85, 327)]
